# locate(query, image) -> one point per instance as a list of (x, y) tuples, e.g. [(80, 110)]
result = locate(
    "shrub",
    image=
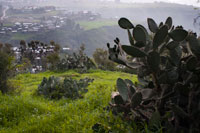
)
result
[(101, 59), (53, 60), (168, 72), (5, 68), (75, 61), (53, 88), (24, 66), (78, 61)]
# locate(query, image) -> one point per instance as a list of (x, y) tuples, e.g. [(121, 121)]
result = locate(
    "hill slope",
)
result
[(97, 34), (27, 112)]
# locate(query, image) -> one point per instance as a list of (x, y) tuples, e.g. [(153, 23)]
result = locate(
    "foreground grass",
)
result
[(27, 112)]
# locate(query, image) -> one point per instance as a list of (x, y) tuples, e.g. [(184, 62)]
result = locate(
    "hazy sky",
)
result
[(188, 2)]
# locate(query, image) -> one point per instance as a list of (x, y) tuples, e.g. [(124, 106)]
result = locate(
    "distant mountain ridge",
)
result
[(181, 14)]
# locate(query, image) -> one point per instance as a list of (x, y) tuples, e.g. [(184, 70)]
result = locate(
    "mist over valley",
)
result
[(93, 22)]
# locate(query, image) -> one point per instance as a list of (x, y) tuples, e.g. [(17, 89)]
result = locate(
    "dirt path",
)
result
[(4, 13)]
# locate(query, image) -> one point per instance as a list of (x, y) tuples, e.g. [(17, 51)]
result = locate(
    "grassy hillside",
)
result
[(27, 112), (88, 25)]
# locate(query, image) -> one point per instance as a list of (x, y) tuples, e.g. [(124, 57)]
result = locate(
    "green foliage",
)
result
[(133, 51), (125, 23), (129, 99), (101, 59), (139, 34), (152, 25), (123, 89), (153, 60), (194, 45), (5, 67), (78, 61), (160, 36), (168, 73), (53, 60), (27, 112), (178, 35), (48, 57), (24, 66), (168, 22), (53, 88), (6, 48), (75, 61)]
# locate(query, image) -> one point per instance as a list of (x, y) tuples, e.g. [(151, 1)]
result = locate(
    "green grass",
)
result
[(26, 112), (25, 17), (88, 25), (7, 24), (35, 15), (21, 36)]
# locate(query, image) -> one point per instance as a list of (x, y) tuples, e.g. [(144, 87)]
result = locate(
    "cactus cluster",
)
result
[(168, 64), (127, 98), (76, 61), (54, 88)]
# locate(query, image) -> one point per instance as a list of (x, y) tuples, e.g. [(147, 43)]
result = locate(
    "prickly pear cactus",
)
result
[(79, 61), (54, 88), (168, 63), (74, 89)]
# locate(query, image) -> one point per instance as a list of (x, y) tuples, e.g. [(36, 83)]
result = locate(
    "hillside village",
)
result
[(36, 51), (45, 23)]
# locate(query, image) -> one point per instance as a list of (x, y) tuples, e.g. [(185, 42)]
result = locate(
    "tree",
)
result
[(24, 66), (6, 48), (101, 59), (53, 59), (57, 48), (5, 68), (81, 50), (1, 46)]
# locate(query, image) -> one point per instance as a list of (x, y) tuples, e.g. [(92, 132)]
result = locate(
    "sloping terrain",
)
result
[(27, 112)]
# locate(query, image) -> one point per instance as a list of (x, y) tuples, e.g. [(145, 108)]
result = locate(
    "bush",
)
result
[(168, 72), (5, 69), (24, 66), (53, 88), (101, 59), (53, 59), (78, 61)]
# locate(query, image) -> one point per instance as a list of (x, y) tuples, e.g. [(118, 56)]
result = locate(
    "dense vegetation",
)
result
[(27, 112), (6, 67), (100, 57), (72, 92), (54, 88), (168, 72), (5, 63), (67, 37)]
